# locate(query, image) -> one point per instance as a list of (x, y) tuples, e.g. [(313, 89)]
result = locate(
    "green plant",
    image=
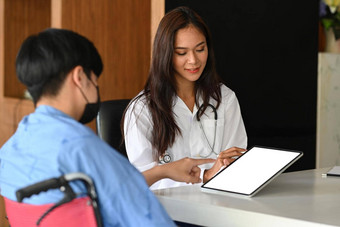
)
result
[(330, 16)]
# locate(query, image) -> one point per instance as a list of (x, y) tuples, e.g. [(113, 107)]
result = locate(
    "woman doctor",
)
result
[(184, 109)]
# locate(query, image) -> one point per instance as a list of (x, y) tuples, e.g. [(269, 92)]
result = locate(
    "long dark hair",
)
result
[(160, 88)]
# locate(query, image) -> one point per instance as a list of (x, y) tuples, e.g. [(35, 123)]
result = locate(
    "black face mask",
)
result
[(91, 109)]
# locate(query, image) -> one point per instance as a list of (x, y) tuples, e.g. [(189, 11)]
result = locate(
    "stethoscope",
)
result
[(166, 157), (201, 126)]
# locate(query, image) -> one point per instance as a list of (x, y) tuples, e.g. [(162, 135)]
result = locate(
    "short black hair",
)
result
[(46, 58)]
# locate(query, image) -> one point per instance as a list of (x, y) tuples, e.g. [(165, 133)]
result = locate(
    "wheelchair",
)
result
[(69, 211)]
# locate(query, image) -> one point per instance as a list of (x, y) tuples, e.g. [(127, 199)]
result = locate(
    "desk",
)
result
[(302, 198)]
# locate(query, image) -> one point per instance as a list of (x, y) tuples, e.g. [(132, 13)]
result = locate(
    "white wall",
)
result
[(328, 112)]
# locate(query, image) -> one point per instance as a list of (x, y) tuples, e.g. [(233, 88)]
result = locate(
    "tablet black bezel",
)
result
[(262, 185)]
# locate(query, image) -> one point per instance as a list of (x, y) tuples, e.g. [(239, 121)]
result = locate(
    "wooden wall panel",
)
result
[(157, 13), (120, 30), (22, 18), (2, 47)]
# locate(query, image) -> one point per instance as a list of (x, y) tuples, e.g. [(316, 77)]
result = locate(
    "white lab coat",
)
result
[(230, 131)]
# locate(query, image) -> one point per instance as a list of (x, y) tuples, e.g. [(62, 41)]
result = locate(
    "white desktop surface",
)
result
[(302, 198)]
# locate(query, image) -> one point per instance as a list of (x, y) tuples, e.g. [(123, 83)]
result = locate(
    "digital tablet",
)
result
[(253, 170)]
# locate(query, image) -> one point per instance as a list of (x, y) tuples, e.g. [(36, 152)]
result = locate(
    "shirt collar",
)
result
[(46, 109), (179, 103)]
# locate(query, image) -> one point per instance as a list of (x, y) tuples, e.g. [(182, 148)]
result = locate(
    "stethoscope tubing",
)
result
[(212, 147), (166, 158)]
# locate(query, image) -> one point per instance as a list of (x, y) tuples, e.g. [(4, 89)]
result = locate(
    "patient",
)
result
[(60, 69)]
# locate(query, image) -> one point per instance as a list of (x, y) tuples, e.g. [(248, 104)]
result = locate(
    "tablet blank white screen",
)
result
[(252, 170)]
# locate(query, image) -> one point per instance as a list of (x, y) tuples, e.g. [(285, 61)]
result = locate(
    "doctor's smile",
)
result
[(194, 70)]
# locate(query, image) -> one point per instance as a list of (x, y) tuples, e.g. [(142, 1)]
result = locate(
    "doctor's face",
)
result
[(190, 54)]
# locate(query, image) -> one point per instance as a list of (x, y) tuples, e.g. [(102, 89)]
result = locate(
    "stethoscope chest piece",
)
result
[(166, 158)]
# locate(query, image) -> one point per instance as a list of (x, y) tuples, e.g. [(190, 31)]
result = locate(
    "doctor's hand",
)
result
[(186, 169), (183, 170), (224, 159)]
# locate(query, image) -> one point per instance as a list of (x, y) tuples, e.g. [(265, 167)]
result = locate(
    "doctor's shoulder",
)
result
[(227, 94), (137, 110)]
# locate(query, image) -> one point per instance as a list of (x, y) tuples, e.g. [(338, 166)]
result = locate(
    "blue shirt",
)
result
[(49, 143)]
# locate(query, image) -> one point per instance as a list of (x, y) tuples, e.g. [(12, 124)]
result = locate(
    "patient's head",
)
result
[(45, 59)]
